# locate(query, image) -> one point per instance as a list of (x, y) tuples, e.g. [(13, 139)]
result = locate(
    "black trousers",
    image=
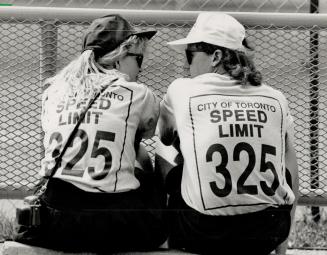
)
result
[(76, 221), (251, 233)]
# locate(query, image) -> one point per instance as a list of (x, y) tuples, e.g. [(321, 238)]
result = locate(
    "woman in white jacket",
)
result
[(235, 136)]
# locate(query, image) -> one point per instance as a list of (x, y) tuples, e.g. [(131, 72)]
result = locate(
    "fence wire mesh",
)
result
[(298, 6), (293, 60)]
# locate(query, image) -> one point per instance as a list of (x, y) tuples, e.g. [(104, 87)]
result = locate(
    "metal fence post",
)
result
[(49, 42), (48, 55), (314, 109)]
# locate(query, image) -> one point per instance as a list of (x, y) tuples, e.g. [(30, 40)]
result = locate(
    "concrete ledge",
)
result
[(14, 248)]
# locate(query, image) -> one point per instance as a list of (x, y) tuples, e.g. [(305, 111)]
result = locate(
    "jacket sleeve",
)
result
[(167, 124), (149, 115)]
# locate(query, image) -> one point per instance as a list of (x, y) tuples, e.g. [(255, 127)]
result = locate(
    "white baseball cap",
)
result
[(215, 28)]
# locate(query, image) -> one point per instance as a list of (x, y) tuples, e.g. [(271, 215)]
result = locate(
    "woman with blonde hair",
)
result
[(99, 198)]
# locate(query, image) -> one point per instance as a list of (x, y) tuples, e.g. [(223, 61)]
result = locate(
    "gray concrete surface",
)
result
[(307, 252), (13, 248)]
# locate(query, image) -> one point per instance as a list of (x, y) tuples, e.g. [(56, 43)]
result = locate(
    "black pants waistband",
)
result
[(62, 194)]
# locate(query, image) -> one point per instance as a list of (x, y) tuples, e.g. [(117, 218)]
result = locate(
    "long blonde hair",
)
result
[(85, 75), (109, 59)]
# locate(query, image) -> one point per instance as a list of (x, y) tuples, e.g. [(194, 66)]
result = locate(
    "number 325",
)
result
[(96, 151), (241, 187)]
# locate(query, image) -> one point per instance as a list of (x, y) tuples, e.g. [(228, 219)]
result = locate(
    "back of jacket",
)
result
[(102, 155), (232, 138)]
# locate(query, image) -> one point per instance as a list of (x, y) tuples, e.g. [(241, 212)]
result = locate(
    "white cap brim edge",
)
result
[(181, 44)]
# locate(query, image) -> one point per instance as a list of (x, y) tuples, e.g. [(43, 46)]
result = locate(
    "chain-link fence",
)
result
[(290, 52), (293, 6), (292, 58)]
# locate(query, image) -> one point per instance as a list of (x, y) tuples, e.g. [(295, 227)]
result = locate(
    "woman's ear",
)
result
[(117, 65), (216, 58)]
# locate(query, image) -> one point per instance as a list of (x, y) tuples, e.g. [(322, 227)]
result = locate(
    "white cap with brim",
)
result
[(215, 28)]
